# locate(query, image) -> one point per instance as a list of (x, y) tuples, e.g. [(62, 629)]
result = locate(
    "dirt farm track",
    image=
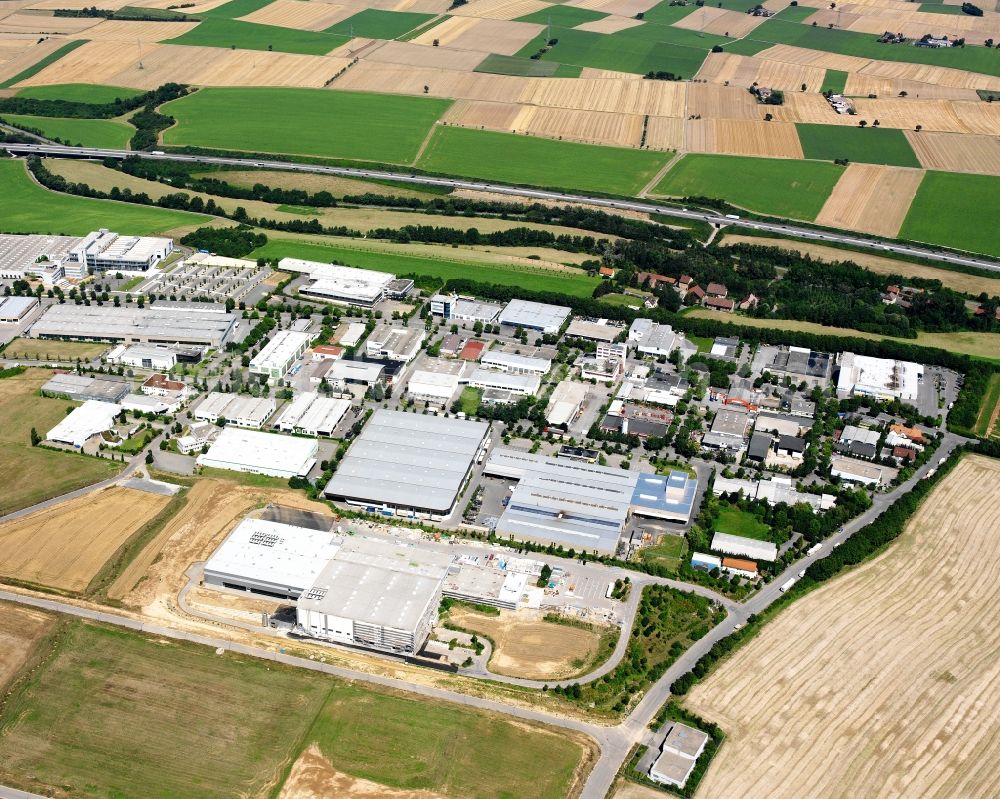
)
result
[(883, 683)]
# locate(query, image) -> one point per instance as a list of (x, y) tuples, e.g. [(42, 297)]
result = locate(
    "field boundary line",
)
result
[(659, 175)]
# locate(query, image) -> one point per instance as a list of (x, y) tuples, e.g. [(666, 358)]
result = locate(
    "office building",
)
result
[(341, 285), (277, 356)]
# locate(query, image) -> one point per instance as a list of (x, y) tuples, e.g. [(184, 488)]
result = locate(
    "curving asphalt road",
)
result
[(539, 194)]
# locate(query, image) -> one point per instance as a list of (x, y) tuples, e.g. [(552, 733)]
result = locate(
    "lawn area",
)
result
[(782, 29), (113, 714), (38, 349), (623, 300), (374, 23), (25, 207), (37, 67), (526, 67), (734, 521), (31, 474), (979, 345), (864, 145), (375, 127), (668, 553), (650, 47), (469, 400), (703, 343), (224, 32), (79, 92), (989, 407), (107, 133), (834, 81), (958, 211), (402, 259), (540, 162), (415, 745), (776, 186)]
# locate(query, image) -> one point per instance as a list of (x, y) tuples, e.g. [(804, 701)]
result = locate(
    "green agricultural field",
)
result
[(113, 714), (650, 47), (782, 30), (406, 260), (236, 8), (373, 23), (863, 145), (540, 162), (85, 132), (458, 752), (777, 186), (834, 81), (563, 16), (25, 207), (221, 32), (734, 521), (373, 127), (37, 67), (32, 474), (957, 211), (526, 67), (79, 93)]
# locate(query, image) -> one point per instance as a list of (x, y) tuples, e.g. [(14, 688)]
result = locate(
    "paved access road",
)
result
[(615, 742), (516, 191)]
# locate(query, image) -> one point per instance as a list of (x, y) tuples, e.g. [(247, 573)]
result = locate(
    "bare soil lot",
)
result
[(66, 545), (530, 647), (20, 631), (883, 682)]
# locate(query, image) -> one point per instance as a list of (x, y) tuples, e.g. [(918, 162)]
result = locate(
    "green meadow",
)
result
[(86, 132), (79, 93), (865, 145), (955, 210), (235, 33)]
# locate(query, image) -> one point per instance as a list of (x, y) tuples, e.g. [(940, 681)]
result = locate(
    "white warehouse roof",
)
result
[(535, 315), (878, 377), (512, 362), (347, 282), (285, 345), (748, 547), (82, 423), (261, 453)]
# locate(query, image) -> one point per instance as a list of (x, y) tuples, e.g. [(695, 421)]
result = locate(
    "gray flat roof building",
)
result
[(760, 445), (14, 309), (81, 387), (538, 316), (408, 463), (150, 325)]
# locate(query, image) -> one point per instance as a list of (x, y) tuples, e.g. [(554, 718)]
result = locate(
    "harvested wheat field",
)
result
[(300, 15), (632, 790), (955, 152), (882, 683), (28, 23), (871, 199), (904, 113), (742, 137), (861, 85), (529, 647), (213, 509), (312, 777), (653, 97), (609, 24), (623, 8), (402, 79), (814, 58), (813, 109), (17, 57), (416, 55), (482, 35), (622, 130), (923, 73), (664, 133), (735, 24), (116, 64), (722, 102), (959, 281), (21, 629), (114, 30), (742, 71), (499, 9), (66, 545)]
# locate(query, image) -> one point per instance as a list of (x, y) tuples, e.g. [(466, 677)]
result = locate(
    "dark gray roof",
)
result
[(760, 445), (792, 443)]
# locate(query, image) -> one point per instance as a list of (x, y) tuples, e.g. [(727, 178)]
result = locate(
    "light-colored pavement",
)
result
[(516, 191)]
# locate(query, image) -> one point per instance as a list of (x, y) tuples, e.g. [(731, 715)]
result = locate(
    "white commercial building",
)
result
[(881, 378), (342, 285), (261, 453), (313, 415), (195, 323), (144, 356), (394, 343), (747, 547), (538, 316), (375, 594), (82, 423), (14, 309), (354, 333), (361, 373), (517, 384), (515, 364), (594, 330), (855, 471), (270, 558), (565, 402), (278, 355), (104, 251), (464, 309), (678, 755), (650, 338), (198, 436), (433, 386), (241, 410)]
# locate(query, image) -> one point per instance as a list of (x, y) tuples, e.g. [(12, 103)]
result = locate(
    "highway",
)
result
[(896, 248)]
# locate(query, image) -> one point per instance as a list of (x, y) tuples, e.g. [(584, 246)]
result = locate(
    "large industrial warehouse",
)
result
[(538, 316), (261, 453), (408, 464), (583, 506), (375, 594), (342, 285), (157, 325)]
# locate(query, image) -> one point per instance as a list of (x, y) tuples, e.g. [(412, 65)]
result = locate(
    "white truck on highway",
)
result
[(815, 548), (787, 584)]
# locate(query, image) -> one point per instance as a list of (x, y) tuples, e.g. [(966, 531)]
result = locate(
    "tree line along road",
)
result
[(515, 191)]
